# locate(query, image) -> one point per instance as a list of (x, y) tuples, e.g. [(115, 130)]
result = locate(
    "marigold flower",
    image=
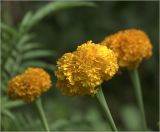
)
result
[(131, 46), (29, 85), (80, 72)]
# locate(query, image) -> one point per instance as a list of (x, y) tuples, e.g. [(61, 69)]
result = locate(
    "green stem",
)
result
[(42, 114), (103, 103), (137, 87)]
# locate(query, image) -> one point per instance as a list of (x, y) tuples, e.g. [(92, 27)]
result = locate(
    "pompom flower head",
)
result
[(131, 46), (80, 72), (29, 85)]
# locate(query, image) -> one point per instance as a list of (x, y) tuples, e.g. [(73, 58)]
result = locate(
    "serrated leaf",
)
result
[(12, 104), (24, 39), (9, 64), (8, 28), (6, 37), (36, 63), (30, 46), (37, 54), (25, 21), (9, 114)]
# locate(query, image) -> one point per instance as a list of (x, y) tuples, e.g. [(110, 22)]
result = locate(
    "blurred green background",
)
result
[(62, 31)]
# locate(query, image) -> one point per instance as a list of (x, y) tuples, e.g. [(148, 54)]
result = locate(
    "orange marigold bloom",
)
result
[(81, 72), (29, 85), (131, 46)]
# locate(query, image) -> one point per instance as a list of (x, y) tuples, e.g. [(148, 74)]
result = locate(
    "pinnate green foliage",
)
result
[(19, 51)]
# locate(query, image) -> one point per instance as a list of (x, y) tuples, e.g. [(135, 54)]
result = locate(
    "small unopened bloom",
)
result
[(82, 71), (131, 46), (29, 85)]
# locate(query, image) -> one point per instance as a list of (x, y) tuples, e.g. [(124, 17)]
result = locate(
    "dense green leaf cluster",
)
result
[(19, 51)]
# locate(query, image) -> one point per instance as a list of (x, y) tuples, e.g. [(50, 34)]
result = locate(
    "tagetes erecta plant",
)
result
[(29, 86), (131, 46), (83, 71)]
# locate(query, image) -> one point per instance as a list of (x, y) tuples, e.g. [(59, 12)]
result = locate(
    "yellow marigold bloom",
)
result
[(80, 72), (29, 85), (131, 46)]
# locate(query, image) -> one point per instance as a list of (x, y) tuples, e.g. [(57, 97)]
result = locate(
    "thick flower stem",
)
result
[(42, 114), (103, 103), (137, 87)]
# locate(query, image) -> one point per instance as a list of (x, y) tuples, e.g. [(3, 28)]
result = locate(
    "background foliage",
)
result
[(38, 33)]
